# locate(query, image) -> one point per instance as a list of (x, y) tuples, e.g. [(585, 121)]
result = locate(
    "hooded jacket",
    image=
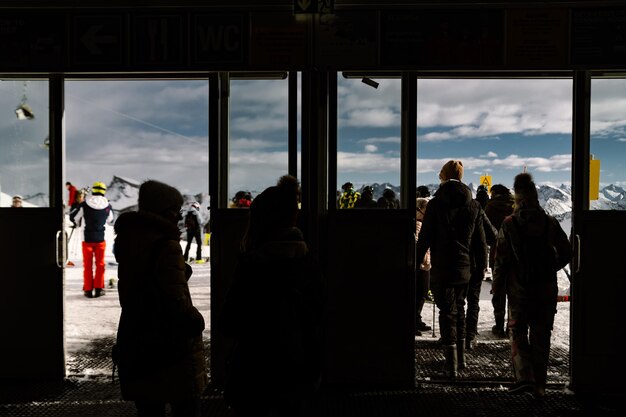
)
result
[(527, 221), (453, 230), (160, 352), (97, 212)]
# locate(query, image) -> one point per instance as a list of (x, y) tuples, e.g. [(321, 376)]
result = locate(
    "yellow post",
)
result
[(594, 178)]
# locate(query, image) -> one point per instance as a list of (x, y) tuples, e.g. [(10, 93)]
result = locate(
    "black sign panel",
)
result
[(99, 40), (158, 40), (32, 40), (598, 37), (219, 38), (442, 38)]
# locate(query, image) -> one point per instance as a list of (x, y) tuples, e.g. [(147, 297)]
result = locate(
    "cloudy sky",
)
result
[(159, 129)]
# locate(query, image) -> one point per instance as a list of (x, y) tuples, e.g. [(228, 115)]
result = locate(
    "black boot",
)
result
[(99, 292), (88, 294), (451, 364), (460, 354)]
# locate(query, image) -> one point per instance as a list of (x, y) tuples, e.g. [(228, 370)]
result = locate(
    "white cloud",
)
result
[(371, 148), (388, 139), (249, 143)]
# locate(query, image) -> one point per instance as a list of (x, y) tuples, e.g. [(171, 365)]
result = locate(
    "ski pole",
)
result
[(434, 317)]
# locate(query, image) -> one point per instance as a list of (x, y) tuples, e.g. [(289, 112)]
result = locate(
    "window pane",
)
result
[(258, 154), (124, 132), (499, 128), (608, 142), (24, 154), (368, 135)]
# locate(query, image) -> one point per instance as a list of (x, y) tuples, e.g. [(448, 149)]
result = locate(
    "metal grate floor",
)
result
[(480, 391)]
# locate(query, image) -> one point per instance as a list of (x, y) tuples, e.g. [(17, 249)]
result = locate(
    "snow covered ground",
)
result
[(88, 319), (91, 318)]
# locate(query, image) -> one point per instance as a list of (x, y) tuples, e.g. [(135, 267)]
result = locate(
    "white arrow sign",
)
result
[(92, 40)]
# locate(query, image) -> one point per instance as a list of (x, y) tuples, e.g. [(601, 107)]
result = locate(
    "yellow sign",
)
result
[(594, 179), (486, 181)]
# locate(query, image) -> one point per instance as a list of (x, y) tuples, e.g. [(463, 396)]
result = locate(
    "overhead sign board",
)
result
[(537, 36), (99, 40), (158, 39), (305, 6), (32, 40), (219, 38)]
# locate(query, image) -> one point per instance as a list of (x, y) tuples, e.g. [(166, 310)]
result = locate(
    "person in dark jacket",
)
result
[(388, 200), (193, 227), (479, 266), (498, 207), (96, 212), (529, 275), (272, 313), (159, 351), (367, 199), (453, 229)]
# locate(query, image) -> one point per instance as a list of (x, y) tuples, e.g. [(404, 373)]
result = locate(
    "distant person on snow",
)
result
[(530, 249), (367, 199), (388, 200), (16, 202), (349, 197), (71, 199), (96, 212), (193, 226)]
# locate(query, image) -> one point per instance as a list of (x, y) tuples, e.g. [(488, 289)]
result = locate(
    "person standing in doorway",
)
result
[(193, 225), (452, 229), (96, 212), (499, 206), (530, 249), (159, 349)]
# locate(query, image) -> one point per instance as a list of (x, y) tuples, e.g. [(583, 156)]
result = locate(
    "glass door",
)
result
[(31, 222)]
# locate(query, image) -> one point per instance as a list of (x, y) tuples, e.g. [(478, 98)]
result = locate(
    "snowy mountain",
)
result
[(122, 193)]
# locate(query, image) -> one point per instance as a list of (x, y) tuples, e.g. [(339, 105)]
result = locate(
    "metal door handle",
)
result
[(577, 253), (61, 256)]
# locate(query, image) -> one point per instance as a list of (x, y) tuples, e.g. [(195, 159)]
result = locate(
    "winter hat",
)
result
[(452, 170), (525, 188), (98, 188), (423, 191), (499, 189), (157, 197)]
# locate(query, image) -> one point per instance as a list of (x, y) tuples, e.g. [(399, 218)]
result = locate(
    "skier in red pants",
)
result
[(96, 211)]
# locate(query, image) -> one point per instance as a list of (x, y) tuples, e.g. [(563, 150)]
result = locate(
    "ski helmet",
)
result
[(98, 188)]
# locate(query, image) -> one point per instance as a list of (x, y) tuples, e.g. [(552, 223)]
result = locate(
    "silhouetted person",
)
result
[(159, 350), (388, 200), (272, 313), (367, 199), (422, 191), (479, 263), (531, 248), (482, 195), (498, 207), (422, 272), (193, 226), (452, 228)]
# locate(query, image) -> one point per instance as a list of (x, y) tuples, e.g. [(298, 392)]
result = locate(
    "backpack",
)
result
[(191, 220), (537, 256)]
